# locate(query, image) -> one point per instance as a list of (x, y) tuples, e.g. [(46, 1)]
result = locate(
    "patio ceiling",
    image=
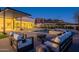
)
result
[(12, 12)]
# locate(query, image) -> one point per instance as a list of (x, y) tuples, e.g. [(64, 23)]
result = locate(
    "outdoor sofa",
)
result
[(60, 43), (20, 44)]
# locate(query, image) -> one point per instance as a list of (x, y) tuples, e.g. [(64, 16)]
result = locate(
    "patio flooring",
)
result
[(5, 46), (75, 46)]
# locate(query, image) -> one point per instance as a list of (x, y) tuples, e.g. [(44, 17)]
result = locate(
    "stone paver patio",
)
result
[(5, 45), (75, 46)]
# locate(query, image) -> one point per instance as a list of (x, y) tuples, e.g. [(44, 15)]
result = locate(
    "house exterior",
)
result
[(55, 23), (48, 23), (14, 20)]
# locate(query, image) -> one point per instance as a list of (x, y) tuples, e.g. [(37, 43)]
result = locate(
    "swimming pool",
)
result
[(42, 30)]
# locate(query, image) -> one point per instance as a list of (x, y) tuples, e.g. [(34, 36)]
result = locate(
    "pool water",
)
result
[(44, 31)]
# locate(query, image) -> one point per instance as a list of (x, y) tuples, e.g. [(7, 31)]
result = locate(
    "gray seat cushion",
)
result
[(26, 43), (53, 46)]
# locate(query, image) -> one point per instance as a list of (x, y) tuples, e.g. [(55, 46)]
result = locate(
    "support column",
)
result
[(13, 20), (21, 22), (4, 22)]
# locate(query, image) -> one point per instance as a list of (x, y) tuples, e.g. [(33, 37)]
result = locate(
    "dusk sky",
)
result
[(64, 13)]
